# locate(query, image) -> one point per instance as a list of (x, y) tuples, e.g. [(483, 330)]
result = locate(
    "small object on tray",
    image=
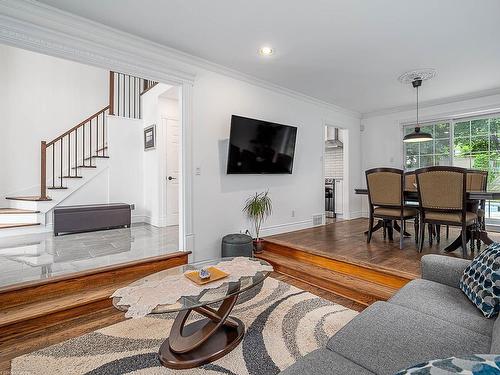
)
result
[(213, 275), (204, 274)]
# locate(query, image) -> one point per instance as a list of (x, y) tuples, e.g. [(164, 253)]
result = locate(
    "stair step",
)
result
[(71, 177), (85, 166), (57, 187), (34, 306), (9, 211), (53, 305), (348, 286), (33, 198), (19, 225), (97, 157)]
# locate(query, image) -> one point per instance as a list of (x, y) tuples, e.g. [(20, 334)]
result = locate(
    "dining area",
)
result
[(430, 200)]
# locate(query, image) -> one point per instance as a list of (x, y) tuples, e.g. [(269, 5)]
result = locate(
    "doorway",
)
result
[(334, 173), (169, 109)]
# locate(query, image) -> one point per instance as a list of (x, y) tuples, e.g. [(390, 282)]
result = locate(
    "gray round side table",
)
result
[(237, 245)]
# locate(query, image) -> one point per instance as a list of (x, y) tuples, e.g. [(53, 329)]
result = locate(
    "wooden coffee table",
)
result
[(208, 339)]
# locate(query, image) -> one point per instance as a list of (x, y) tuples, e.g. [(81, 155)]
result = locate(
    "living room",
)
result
[(299, 297)]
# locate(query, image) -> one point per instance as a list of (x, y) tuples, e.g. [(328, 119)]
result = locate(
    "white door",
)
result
[(173, 140)]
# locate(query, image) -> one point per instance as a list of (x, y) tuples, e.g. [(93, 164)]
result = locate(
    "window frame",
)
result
[(452, 121)]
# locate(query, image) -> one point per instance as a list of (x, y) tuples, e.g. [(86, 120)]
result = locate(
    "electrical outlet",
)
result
[(132, 206)]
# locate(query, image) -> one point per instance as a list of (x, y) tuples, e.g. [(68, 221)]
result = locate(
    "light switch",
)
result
[(197, 171)]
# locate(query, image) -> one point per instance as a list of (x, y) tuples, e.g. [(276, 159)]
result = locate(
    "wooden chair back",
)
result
[(442, 188), (477, 180), (385, 187)]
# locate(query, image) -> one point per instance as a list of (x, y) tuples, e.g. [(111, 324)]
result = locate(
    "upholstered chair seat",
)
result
[(394, 212), (451, 217)]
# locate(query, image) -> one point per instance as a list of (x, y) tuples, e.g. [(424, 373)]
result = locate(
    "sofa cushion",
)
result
[(386, 338), (443, 302), (495, 337), (324, 361), (471, 364), (481, 281)]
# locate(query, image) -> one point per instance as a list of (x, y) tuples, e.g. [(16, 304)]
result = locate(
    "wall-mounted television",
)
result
[(260, 147)]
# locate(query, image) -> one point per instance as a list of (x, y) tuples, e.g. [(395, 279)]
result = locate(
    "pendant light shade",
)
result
[(417, 135)]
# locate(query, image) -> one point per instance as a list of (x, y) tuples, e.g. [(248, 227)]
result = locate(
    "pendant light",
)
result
[(417, 135)]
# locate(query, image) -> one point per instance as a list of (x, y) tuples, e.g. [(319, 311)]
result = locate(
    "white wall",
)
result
[(381, 139), (153, 160), (219, 198), (41, 97)]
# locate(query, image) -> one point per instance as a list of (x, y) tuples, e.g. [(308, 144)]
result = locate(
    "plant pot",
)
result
[(258, 246)]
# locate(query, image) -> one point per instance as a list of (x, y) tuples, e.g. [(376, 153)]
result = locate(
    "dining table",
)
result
[(411, 197)]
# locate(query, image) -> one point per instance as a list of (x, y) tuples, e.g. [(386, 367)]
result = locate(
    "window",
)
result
[(426, 154), (469, 143)]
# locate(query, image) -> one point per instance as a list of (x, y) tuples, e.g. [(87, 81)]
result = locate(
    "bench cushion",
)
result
[(443, 302), (386, 338)]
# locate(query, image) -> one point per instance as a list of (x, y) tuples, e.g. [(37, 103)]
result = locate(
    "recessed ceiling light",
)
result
[(266, 51)]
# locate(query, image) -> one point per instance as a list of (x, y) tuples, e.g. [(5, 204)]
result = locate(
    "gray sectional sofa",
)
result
[(428, 318)]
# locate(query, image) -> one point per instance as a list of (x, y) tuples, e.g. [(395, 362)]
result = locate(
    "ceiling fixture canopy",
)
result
[(416, 77)]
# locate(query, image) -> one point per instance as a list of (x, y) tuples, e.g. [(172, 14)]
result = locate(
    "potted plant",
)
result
[(258, 207)]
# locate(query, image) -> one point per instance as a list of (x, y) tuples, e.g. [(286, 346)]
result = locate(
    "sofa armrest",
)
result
[(443, 269)]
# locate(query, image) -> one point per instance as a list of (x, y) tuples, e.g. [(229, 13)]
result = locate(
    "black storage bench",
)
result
[(84, 218)]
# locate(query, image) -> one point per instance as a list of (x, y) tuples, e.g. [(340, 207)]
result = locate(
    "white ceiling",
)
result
[(346, 52)]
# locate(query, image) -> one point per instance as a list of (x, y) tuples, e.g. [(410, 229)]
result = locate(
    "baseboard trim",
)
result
[(286, 227)]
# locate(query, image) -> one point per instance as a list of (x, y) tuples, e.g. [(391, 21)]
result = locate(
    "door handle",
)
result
[(170, 178)]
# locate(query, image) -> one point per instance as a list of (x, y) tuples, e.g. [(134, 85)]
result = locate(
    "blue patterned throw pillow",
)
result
[(481, 281), (474, 364)]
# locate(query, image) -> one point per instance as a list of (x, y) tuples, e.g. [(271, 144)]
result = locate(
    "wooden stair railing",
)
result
[(125, 94), (77, 147)]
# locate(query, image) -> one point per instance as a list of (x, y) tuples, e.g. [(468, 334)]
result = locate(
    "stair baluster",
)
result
[(124, 100)]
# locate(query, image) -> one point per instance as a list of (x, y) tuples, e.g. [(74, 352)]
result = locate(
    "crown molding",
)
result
[(39, 27), (432, 103)]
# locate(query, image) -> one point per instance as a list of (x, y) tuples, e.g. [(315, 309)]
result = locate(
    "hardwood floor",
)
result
[(345, 241), (95, 320)]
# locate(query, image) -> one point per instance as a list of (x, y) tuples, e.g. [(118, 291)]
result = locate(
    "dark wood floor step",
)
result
[(34, 306), (68, 284), (57, 187), (84, 166), (17, 225), (373, 273), (10, 210), (71, 177), (17, 314), (33, 198), (348, 286)]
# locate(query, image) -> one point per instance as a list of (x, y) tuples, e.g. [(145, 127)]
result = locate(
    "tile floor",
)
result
[(33, 257)]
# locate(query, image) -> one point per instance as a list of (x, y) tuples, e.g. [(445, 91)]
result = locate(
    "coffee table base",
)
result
[(221, 342)]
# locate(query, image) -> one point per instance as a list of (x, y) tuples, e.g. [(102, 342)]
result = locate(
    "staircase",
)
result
[(71, 160)]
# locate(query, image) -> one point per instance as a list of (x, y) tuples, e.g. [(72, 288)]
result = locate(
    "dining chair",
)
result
[(386, 199), (477, 180), (442, 197), (410, 184)]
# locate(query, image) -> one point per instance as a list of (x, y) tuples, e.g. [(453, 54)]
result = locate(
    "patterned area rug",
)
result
[(282, 324)]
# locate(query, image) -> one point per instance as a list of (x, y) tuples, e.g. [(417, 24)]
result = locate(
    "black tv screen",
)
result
[(260, 147)]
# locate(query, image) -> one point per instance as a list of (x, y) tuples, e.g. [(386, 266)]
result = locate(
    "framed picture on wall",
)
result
[(150, 137)]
